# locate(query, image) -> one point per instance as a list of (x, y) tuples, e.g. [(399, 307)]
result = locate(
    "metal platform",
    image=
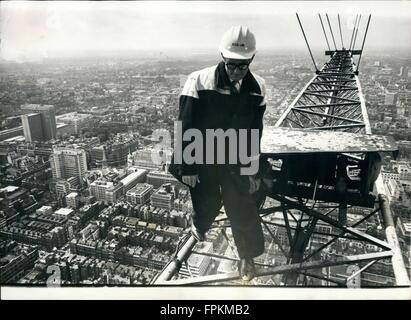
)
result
[(281, 140)]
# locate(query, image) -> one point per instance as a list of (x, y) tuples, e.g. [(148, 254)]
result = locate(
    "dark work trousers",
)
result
[(221, 184)]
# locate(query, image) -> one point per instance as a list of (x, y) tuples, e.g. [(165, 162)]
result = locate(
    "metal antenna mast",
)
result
[(363, 42), (326, 39), (308, 46), (339, 24), (353, 30), (356, 32), (331, 30)]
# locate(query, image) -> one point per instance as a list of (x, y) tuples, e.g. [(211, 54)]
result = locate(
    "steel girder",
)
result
[(332, 100)]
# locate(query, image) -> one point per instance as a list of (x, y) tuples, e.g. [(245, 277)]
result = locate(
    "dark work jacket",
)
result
[(206, 103)]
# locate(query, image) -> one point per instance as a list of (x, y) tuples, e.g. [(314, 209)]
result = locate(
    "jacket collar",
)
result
[(249, 84)]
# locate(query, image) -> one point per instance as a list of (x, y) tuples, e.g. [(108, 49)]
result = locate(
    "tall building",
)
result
[(114, 193), (15, 260), (64, 212), (106, 191), (390, 98), (163, 197), (158, 178), (32, 127), (140, 194), (73, 200), (114, 153), (197, 263), (149, 158), (67, 162), (404, 72), (133, 178), (45, 210), (64, 187), (76, 121), (48, 118)]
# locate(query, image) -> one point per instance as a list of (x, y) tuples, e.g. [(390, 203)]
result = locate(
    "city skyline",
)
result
[(83, 202), (38, 30), (116, 217)]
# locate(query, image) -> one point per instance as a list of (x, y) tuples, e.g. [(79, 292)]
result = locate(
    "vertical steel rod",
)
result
[(325, 34), (331, 30), (305, 38), (339, 24)]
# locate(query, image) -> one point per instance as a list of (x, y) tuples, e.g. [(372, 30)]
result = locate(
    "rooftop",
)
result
[(37, 107), (44, 208), (9, 189), (407, 227), (72, 195), (128, 179), (140, 187), (102, 183), (64, 211), (17, 139), (72, 116)]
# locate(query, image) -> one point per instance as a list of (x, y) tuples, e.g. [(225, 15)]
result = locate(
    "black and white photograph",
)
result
[(205, 150)]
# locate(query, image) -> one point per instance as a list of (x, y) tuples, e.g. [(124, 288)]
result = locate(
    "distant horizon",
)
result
[(159, 54), (36, 30)]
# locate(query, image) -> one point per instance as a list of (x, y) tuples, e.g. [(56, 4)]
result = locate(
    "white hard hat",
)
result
[(238, 43)]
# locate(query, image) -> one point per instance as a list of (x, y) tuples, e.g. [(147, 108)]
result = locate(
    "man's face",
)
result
[(236, 68)]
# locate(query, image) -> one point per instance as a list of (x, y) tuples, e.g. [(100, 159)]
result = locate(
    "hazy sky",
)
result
[(41, 29)]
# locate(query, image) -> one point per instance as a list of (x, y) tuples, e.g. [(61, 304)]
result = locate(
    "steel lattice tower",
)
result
[(331, 100)]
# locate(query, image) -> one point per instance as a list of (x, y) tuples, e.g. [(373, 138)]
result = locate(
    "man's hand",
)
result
[(254, 184), (191, 180)]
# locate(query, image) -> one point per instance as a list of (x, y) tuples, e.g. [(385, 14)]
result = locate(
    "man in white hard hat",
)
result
[(225, 96)]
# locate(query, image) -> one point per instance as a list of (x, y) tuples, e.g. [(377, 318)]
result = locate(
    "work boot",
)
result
[(246, 269), (197, 234)]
